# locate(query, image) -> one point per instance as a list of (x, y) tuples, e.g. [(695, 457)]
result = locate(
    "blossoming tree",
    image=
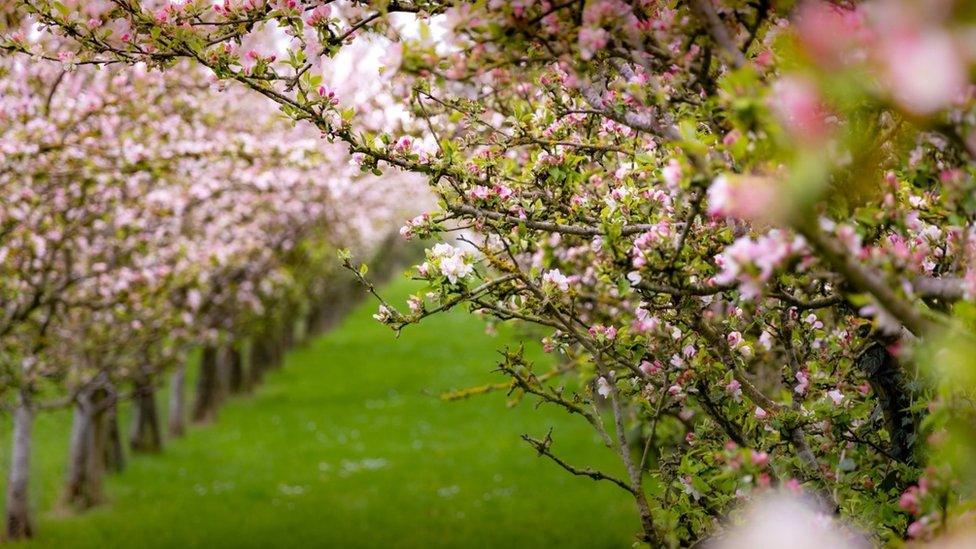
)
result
[(745, 227), (141, 219)]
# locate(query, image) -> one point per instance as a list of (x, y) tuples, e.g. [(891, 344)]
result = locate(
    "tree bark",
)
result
[(894, 395), (235, 368), (287, 335), (277, 349), (223, 373), (145, 436), (208, 387), (316, 319), (18, 504), (258, 363), (177, 403), (114, 455), (276, 340), (86, 458), (77, 451)]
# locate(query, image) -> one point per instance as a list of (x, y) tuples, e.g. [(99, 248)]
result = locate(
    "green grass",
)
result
[(348, 446)]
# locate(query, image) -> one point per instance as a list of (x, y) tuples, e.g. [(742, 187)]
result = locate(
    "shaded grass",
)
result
[(348, 446)]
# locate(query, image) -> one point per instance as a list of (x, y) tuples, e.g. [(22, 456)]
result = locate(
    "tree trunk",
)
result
[(114, 455), (301, 328), (894, 394), (278, 347), (177, 403), (235, 368), (258, 361), (145, 436), (316, 320), (77, 450), (86, 458), (208, 387), (18, 504), (223, 373), (287, 335)]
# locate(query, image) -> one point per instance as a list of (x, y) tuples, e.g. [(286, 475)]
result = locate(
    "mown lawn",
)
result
[(348, 446)]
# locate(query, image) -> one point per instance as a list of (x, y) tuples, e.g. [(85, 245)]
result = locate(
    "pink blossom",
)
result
[(556, 279), (319, 15), (831, 33), (909, 500), (404, 144), (797, 103), (592, 40), (672, 173), (925, 69), (650, 368), (645, 321), (752, 262), (480, 192), (746, 197), (803, 383), (328, 94), (734, 389), (383, 314), (608, 332), (814, 322)]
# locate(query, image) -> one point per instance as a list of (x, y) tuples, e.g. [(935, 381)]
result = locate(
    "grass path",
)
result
[(346, 447)]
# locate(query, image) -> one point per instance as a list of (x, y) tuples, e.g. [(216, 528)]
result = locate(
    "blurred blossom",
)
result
[(924, 68), (831, 33), (799, 107), (783, 520), (746, 197)]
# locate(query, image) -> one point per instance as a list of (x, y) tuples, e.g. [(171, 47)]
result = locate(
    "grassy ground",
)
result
[(347, 447)]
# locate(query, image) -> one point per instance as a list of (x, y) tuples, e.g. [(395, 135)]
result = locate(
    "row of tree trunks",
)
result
[(96, 445)]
